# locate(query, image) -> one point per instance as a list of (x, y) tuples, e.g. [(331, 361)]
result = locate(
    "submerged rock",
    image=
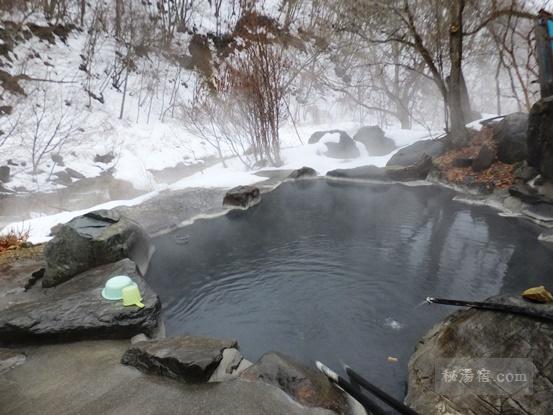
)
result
[(94, 239), (242, 196), (303, 172), (484, 334), (374, 140), (362, 173), (76, 310), (307, 386), (510, 134), (186, 358)]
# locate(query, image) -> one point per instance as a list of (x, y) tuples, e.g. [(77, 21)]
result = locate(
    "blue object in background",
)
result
[(550, 32)]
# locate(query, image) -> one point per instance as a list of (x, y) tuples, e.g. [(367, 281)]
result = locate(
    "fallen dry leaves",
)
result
[(498, 175)]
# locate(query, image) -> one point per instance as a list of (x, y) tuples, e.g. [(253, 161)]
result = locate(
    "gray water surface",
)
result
[(336, 272)]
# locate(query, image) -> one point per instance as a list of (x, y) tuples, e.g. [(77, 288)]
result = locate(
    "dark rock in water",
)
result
[(302, 172), (484, 160), (307, 386), (76, 310), (484, 334), (463, 162), (74, 173), (96, 238), (242, 196), (58, 159), (10, 359), (412, 154), (527, 194), (187, 358), (104, 158), (510, 134), (374, 140), (417, 171), (363, 172), (524, 172), (5, 174), (345, 148), (540, 137)]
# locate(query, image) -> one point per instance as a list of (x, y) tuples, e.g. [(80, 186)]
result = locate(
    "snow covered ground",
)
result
[(294, 155), (145, 134)]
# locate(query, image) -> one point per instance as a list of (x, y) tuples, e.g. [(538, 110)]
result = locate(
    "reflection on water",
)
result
[(334, 272)]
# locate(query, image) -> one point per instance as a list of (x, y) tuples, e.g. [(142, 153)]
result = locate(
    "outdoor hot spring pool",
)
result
[(337, 272)]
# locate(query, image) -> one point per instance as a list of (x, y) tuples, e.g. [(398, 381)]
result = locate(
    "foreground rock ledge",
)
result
[(186, 358), (485, 334), (75, 310)]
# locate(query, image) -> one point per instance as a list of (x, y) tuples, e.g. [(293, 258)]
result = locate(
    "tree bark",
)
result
[(459, 136), (118, 17), (83, 9)]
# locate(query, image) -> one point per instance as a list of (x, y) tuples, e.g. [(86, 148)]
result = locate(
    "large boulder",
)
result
[(479, 334), (374, 140), (410, 155), (76, 310), (242, 197), (94, 239), (510, 135), (307, 386), (186, 358), (417, 171), (540, 137), (338, 144), (361, 173)]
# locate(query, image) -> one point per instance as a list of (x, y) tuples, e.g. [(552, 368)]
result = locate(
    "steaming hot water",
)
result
[(335, 272)]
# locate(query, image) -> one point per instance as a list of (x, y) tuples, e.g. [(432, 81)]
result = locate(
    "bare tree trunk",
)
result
[(83, 9), (118, 17), (459, 134), (124, 95)]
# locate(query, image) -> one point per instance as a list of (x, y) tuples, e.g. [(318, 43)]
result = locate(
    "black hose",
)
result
[(504, 308), (391, 401), (367, 403)]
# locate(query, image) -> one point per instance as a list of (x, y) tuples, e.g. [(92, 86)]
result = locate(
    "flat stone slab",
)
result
[(476, 334), (185, 358), (87, 378), (76, 310)]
